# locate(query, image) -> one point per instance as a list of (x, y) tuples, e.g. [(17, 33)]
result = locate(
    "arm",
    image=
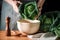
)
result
[(40, 4)]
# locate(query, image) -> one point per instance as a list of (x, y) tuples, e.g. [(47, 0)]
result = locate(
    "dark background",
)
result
[(51, 5), (0, 6), (0, 10)]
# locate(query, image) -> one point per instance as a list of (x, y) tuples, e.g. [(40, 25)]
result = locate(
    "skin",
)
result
[(40, 4)]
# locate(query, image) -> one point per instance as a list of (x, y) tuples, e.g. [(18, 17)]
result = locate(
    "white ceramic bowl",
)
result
[(28, 26)]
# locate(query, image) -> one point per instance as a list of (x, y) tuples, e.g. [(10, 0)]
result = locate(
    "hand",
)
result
[(19, 2)]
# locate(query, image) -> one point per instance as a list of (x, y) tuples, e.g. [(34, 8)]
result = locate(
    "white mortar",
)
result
[(28, 26)]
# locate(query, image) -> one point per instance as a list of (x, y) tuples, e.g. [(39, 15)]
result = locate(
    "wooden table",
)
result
[(12, 37)]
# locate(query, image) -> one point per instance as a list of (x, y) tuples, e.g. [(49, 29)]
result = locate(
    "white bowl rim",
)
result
[(30, 21)]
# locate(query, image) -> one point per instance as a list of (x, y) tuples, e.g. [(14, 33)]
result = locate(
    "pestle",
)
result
[(8, 31)]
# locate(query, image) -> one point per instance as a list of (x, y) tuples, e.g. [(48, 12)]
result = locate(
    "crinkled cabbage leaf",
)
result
[(28, 10)]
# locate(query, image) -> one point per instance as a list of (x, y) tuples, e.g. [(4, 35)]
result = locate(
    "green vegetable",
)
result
[(57, 32), (50, 22), (28, 10)]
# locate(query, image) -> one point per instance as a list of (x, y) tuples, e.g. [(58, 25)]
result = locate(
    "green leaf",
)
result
[(50, 21), (57, 32), (24, 16), (29, 10)]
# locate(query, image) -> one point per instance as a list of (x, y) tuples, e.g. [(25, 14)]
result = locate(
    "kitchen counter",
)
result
[(12, 37)]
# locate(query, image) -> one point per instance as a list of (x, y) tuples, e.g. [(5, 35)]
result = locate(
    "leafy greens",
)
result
[(50, 22), (28, 10)]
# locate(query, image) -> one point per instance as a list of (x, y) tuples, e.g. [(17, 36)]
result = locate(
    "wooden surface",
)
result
[(12, 37)]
